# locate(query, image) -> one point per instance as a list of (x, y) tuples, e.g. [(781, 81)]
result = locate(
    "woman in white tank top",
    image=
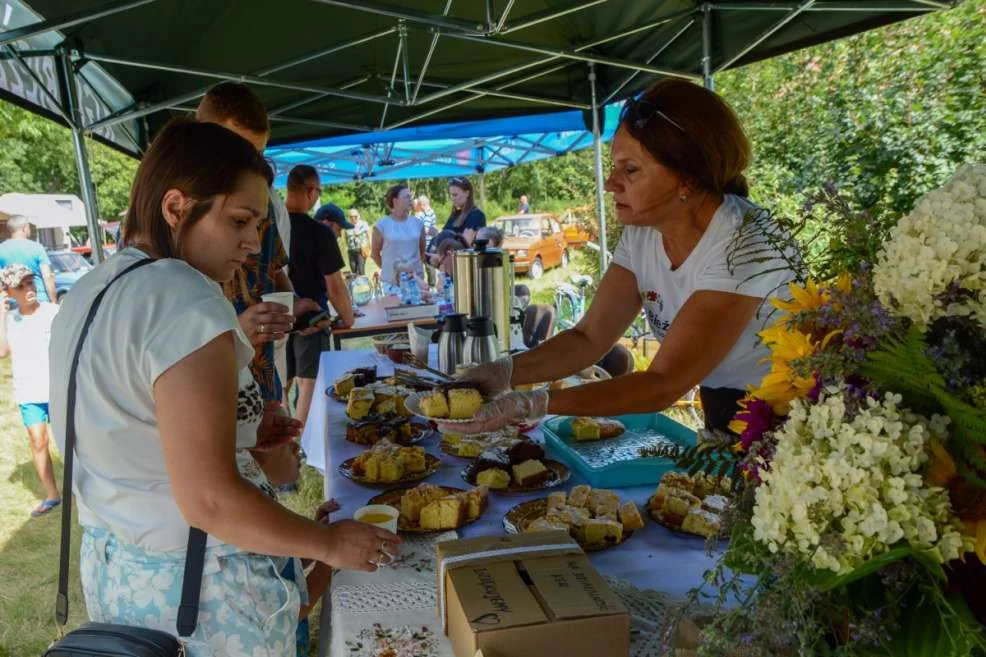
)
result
[(398, 238)]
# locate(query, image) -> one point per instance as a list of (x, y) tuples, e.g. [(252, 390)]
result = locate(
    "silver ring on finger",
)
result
[(260, 329)]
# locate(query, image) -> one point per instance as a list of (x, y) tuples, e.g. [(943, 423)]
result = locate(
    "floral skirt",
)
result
[(247, 609)]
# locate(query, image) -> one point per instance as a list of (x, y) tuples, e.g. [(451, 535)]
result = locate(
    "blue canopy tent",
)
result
[(451, 149)]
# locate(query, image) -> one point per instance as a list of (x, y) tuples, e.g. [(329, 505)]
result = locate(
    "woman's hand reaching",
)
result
[(509, 408)]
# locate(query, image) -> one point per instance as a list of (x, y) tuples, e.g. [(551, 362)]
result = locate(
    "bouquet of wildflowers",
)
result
[(864, 450)]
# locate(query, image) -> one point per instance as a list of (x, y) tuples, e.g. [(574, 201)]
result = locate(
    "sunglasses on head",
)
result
[(638, 113), (458, 182)]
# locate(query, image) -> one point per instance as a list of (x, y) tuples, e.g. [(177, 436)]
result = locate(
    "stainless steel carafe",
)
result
[(452, 342), (483, 287), (481, 345)]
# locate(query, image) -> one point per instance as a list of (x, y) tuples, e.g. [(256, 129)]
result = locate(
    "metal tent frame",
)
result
[(44, 65)]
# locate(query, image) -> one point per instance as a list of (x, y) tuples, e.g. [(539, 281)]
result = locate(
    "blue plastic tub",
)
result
[(616, 462)]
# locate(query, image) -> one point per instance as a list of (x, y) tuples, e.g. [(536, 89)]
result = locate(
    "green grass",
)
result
[(543, 289), (28, 546)]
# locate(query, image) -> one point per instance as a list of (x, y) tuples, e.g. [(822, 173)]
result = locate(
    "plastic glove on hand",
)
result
[(490, 378), (509, 408)]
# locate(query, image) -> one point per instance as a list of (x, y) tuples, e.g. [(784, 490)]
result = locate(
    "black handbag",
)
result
[(107, 639)]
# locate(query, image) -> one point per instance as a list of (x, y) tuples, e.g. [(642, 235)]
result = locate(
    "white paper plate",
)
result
[(413, 404)]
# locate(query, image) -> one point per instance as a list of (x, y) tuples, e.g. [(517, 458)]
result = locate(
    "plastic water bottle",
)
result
[(414, 292), (447, 290), (405, 285)]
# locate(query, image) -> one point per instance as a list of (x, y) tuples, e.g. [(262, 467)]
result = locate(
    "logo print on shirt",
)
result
[(654, 308)]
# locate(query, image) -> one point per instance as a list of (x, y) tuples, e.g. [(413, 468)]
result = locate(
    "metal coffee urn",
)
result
[(483, 281)]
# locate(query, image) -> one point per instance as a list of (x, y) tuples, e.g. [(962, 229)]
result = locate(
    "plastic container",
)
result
[(616, 463)]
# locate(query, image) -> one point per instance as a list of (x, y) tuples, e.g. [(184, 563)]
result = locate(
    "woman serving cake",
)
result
[(677, 179)]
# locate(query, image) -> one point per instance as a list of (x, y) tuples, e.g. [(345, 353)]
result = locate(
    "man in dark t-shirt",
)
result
[(316, 272)]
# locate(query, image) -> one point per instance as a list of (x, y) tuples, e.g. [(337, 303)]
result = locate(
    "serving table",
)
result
[(395, 606)]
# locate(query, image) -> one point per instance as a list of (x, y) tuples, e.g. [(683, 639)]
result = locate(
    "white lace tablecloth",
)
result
[(391, 613)]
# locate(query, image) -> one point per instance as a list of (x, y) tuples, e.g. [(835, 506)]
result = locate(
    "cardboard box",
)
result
[(527, 595)]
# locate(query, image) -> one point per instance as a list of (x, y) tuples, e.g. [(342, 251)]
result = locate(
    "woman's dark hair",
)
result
[(392, 195), (693, 131), (201, 160), (460, 215)]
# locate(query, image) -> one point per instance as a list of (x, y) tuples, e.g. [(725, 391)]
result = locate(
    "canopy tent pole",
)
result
[(597, 152), (72, 109), (481, 169), (707, 77)]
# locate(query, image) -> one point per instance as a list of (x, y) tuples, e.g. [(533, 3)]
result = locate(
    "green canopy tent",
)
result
[(119, 69)]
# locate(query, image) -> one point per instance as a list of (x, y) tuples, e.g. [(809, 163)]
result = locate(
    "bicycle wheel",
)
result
[(566, 311)]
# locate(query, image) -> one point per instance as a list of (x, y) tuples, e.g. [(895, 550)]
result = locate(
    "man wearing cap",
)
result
[(316, 272), (24, 336)]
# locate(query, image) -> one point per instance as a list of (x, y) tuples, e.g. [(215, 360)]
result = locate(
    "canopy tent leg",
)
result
[(482, 189), (72, 109), (597, 152), (707, 78)]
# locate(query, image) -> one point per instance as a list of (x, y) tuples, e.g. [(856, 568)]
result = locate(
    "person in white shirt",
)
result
[(24, 335), (426, 214), (398, 239), (677, 180), (167, 408)]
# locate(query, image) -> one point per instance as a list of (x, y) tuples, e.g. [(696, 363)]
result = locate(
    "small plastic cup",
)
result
[(283, 298), (378, 515)]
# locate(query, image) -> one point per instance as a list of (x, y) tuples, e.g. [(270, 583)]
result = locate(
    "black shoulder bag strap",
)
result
[(194, 561)]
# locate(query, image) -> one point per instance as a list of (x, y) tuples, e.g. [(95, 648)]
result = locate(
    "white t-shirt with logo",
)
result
[(149, 320), (28, 337), (664, 292)]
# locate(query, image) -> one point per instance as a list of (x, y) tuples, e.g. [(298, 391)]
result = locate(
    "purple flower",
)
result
[(759, 418)]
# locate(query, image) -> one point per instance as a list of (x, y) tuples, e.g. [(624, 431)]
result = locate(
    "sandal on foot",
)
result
[(45, 507)]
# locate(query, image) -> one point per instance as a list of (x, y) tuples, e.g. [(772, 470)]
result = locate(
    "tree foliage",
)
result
[(884, 116), (37, 157), (876, 119)]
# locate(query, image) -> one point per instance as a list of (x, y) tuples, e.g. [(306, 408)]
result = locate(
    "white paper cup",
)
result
[(283, 298), (420, 341), (392, 514)]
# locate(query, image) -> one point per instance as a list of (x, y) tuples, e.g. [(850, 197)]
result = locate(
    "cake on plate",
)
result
[(463, 403), (691, 503), (594, 526), (360, 403), (433, 508)]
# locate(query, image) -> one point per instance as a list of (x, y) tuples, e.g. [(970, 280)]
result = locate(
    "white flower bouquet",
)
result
[(860, 528), (843, 489), (934, 264)]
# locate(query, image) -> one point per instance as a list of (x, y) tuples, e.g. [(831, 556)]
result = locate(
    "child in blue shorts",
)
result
[(24, 336)]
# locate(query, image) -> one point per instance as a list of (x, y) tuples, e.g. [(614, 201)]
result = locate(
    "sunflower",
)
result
[(783, 384), (942, 472), (811, 296)]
